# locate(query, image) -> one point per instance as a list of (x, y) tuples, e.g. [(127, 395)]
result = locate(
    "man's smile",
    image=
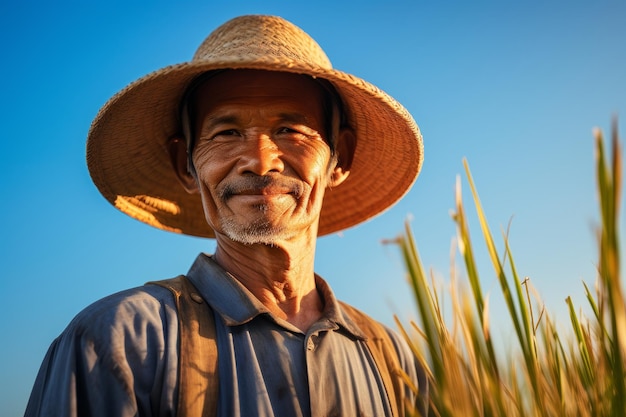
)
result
[(262, 187)]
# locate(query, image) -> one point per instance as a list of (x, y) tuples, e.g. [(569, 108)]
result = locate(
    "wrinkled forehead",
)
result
[(242, 87), (222, 84)]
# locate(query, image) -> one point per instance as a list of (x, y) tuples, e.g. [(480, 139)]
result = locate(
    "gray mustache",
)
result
[(256, 184)]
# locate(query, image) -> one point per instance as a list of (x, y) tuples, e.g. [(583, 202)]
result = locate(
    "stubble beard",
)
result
[(259, 231)]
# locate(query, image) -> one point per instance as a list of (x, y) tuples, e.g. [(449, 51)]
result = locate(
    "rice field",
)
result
[(577, 370)]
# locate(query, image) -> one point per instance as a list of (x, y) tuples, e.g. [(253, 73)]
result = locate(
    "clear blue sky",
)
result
[(516, 87)]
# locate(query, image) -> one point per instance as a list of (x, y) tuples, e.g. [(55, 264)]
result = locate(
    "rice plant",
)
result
[(576, 370)]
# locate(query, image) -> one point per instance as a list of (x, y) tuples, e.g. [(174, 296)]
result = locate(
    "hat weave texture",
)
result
[(127, 152)]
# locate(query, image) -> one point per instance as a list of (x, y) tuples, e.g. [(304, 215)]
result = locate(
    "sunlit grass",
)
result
[(572, 370)]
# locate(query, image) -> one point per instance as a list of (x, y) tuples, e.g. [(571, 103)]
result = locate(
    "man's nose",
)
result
[(260, 156)]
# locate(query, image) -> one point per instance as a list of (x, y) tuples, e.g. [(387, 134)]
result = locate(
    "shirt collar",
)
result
[(236, 305)]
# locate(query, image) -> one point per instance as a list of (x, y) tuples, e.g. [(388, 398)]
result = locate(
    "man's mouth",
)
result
[(265, 186)]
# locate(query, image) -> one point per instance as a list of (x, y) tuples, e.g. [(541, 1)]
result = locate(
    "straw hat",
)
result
[(127, 144)]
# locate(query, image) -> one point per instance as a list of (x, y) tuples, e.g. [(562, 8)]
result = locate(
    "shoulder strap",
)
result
[(197, 368), (385, 357)]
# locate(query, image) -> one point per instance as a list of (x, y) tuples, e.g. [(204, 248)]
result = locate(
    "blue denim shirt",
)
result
[(119, 357)]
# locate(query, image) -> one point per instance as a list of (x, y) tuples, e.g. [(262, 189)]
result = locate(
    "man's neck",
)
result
[(281, 276)]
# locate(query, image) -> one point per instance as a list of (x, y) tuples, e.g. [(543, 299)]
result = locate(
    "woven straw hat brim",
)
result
[(128, 159)]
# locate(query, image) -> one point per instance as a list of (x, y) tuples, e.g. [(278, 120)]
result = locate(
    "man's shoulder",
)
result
[(142, 306), (375, 329), (362, 319)]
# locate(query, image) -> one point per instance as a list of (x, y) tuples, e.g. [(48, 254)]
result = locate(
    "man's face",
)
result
[(261, 160)]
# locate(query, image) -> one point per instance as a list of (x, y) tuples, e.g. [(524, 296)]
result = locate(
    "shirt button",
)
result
[(196, 297)]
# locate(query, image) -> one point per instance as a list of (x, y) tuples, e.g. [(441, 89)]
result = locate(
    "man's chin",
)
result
[(260, 234)]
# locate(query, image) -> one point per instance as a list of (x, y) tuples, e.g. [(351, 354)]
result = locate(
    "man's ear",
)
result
[(345, 146), (177, 148)]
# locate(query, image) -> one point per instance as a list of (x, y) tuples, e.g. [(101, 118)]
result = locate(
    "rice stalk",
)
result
[(550, 371)]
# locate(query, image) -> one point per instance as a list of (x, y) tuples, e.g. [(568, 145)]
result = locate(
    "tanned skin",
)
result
[(262, 165)]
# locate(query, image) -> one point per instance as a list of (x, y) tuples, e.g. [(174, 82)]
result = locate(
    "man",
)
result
[(259, 143)]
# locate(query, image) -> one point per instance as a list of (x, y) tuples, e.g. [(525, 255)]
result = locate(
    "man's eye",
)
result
[(291, 132), (228, 132), (220, 135), (223, 134)]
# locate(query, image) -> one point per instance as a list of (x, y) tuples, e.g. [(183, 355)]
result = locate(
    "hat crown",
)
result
[(262, 39)]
